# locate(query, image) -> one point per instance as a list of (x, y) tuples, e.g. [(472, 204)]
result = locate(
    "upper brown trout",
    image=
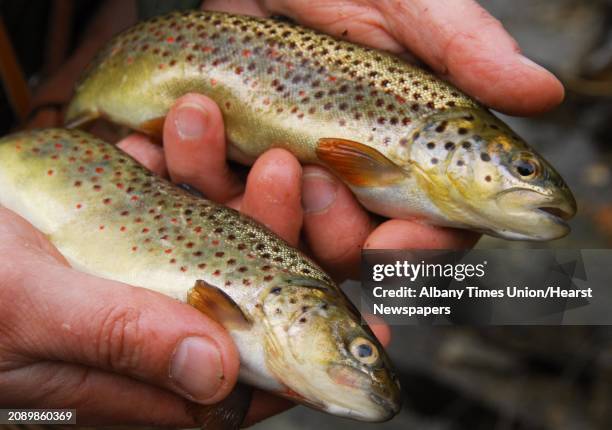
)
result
[(296, 332), (408, 144)]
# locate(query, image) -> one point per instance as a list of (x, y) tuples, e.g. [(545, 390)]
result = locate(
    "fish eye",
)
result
[(364, 350), (526, 168)]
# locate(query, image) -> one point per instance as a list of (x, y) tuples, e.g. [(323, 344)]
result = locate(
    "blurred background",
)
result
[(459, 378)]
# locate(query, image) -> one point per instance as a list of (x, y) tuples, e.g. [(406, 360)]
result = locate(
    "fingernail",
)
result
[(318, 192), (196, 368), (191, 121), (532, 64)]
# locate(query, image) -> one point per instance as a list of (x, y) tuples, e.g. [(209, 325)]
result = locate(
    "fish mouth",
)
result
[(390, 407), (558, 214), (531, 215), (369, 400)]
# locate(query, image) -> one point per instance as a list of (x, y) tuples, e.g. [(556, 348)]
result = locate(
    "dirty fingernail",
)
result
[(196, 368), (318, 192), (191, 121)]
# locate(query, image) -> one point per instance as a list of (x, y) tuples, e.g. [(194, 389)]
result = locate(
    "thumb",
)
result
[(130, 331), (80, 319)]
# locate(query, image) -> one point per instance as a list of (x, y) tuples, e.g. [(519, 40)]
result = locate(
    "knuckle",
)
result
[(119, 343)]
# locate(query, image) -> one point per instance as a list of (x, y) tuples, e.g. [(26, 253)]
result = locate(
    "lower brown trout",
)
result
[(297, 334), (408, 144)]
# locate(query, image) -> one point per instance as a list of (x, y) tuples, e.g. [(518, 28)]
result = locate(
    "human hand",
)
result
[(461, 42), (110, 350)]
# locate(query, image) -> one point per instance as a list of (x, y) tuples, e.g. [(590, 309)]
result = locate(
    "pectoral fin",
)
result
[(358, 164), (218, 306)]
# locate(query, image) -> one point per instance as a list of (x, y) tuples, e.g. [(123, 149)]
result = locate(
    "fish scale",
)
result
[(407, 143), (111, 217), (277, 69), (139, 214)]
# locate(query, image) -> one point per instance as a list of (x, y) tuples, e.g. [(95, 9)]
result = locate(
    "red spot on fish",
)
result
[(183, 269), (198, 229), (50, 172), (122, 228), (215, 242), (246, 53), (134, 248), (120, 185), (170, 39), (213, 82), (217, 272), (168, 251), (106, 201), (331, 78), (101, 227), (79, 206), (58, 146), (134, 198)]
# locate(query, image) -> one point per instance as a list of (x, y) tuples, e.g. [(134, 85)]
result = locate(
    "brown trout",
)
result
[(408, 144), (297, 334)]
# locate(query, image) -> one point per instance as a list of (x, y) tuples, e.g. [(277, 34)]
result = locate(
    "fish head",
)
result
[(486, 177), (329, 360)]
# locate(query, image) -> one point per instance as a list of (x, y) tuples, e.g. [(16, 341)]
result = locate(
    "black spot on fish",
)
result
[(485, 157)]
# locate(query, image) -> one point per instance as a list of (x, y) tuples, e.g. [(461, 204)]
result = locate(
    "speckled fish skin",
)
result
[(111, 217), (408, 144)]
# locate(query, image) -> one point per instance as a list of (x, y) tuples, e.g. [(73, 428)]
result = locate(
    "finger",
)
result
[(45, 118), (460, 39), (194, 143), (100, 398), (78, 318), (404, 234), (145, 152), (357, 21), (272, 194), (244, 7), (335, 224)]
